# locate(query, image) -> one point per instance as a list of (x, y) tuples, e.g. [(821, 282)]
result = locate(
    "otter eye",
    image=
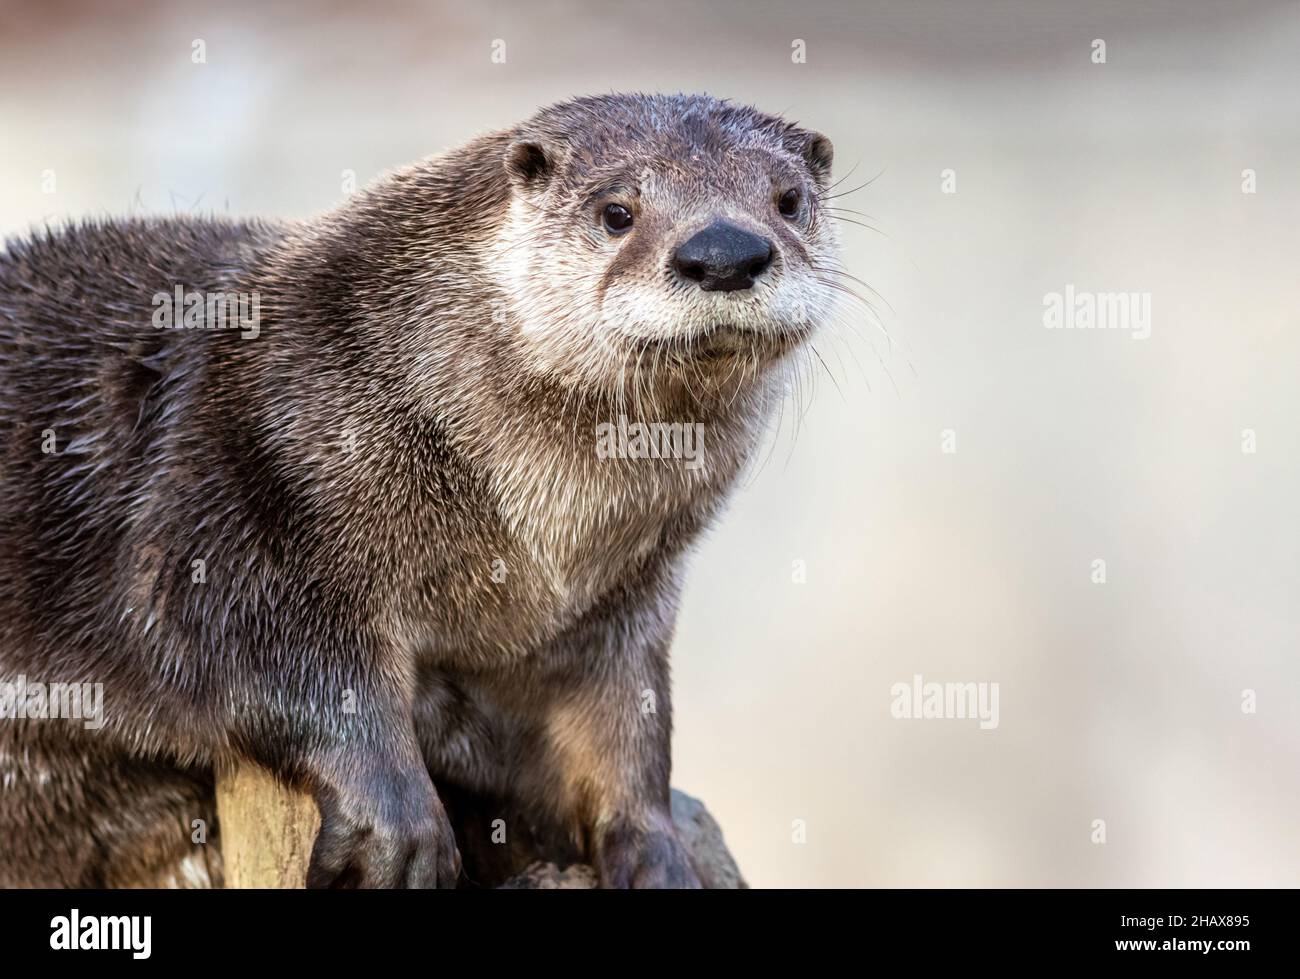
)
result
[(788, 204), (617, 218)]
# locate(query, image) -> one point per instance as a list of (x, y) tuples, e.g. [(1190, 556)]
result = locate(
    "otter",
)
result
[(359, 531)]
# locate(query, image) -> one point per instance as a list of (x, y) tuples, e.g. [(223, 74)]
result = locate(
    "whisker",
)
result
[(831, 197), (852, 170)]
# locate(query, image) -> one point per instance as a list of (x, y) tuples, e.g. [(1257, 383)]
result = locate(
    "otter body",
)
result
[(363, 536)]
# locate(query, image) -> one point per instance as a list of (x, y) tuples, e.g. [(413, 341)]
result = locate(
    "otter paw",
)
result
[(643, 858), (400, 838)]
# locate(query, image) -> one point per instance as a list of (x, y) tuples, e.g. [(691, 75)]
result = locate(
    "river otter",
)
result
[(415, 513)]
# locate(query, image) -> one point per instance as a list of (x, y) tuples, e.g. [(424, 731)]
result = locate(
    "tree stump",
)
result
[(267, 830)]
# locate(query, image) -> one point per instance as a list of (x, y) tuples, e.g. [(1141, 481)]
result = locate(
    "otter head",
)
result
[(652, 240)]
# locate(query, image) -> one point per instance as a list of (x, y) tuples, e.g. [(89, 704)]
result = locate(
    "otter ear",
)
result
[(529, 165), (820, 154), (816, 151)]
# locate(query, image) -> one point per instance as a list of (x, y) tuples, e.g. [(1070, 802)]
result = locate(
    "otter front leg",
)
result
[(606, 744), (349, 740), (382, 823)]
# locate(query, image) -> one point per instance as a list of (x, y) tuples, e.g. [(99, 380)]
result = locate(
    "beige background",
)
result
[(1118, 701)]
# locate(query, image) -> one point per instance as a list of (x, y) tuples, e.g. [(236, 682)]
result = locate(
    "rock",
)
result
[(699, 834), (702, 836)]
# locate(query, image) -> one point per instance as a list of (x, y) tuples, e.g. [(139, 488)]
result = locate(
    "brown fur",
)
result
[(463, 326)]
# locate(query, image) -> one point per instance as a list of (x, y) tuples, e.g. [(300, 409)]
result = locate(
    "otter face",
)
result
[(665, 237)]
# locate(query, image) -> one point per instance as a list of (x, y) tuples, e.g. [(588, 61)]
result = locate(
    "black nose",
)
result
[(723, 257)]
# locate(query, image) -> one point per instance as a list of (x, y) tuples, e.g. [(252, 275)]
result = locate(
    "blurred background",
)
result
[(1120, 701)]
